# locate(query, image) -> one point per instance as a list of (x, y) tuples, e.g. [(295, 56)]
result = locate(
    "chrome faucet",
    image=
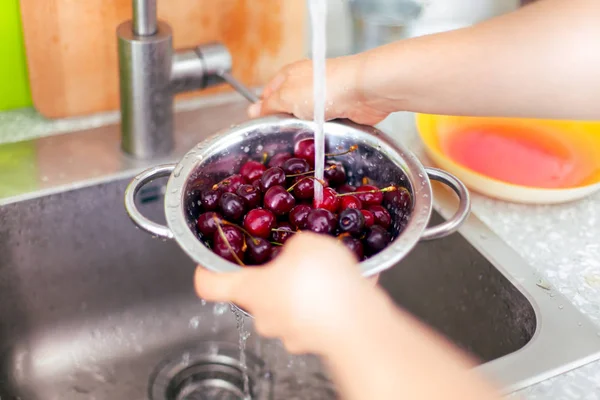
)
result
[(151, 74)]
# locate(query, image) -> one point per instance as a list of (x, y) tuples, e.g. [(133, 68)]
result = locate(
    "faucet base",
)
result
[(146, 96)]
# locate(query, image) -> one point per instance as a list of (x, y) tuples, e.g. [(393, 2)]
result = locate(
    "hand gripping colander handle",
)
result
[(464, 208), (134, 187)]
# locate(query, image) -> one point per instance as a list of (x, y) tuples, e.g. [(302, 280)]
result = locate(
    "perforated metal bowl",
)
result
[(378, 157)]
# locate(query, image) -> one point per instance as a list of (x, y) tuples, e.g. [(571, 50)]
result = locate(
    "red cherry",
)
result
[(279, 201), (250, 194), (272, 177), (278, 159), (321, 221), (299, 216), (252, 170), (350, 201), (234, 240), (206, 223), (304, 188), (231, 184), (259, 222), (275, 250), (294, 166), (305, 149), (354, 245), (282, 233), (369, 199), (258, 252), (331, 201), (382, 216), (369, 218), (345, 188)]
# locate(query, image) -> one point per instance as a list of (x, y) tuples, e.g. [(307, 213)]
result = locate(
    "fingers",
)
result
[(219, 287)]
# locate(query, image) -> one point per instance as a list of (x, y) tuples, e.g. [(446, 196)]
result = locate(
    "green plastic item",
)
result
[(14, 81)]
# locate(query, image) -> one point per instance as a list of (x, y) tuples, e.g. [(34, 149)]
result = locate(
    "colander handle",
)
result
[(134, 187), (464, 208)]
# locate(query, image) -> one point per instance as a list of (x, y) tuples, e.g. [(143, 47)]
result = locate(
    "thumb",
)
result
[(219, 287)]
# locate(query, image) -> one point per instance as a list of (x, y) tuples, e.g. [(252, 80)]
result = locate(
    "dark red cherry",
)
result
[(235, 240), (252, 170), (210, 199), (345, 188), (206, 223), (351, 221), (369, 199), (377, 239), (259, 222), (354, 245), (305, 149), (399, 200), (232, 183), (294, 166), (258, 185), (282, 233), (335, 176), (299, 216), (350, 202), (232, 206), (275, 250), (304, 188), (382, 216), (330, 202), (258, 251), (321, 221), (251, 195), (272, 177), (278, 159), (279, 201), (369, 218)]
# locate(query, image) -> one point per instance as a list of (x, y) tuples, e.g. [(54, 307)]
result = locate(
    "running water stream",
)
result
[(318, 18)]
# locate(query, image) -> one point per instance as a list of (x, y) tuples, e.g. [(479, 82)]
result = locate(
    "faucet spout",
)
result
[(151, 74)]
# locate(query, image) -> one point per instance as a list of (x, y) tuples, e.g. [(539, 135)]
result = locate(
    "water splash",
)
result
[(243, 337)]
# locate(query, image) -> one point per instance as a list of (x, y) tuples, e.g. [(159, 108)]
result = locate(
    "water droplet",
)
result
[(560, 307), (177, 171)]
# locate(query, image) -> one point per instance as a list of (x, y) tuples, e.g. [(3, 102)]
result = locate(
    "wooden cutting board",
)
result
[(71, 45)]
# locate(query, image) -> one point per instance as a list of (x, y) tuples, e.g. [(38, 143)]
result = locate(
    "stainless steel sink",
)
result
[(92, 308)]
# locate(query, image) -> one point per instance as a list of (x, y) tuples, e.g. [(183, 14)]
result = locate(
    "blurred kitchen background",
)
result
[(58, 57)]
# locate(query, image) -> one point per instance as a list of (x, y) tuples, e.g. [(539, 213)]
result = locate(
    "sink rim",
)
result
[(563, 340)]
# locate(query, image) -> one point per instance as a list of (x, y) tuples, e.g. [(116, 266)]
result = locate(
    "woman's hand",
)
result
[(305, 297), (291, 92)]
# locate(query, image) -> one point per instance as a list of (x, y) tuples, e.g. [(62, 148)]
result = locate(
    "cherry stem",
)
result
[(332, 166), (222, 234), (365, 180), (255, 240), (384, 190), (265, 155), (303, 179), (352, 148), (225, 181), (282, 230), (276, 243)]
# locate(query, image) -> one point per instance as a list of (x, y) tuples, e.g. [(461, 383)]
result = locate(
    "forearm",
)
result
[(539, 61), (386, 354)]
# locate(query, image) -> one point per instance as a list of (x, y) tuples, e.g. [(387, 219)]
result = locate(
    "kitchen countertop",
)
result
[(561, 241)]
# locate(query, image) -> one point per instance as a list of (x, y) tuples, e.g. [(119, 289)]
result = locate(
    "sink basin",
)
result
[(93, 308)]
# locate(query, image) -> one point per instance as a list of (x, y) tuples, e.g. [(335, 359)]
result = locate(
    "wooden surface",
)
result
[(72, 55)]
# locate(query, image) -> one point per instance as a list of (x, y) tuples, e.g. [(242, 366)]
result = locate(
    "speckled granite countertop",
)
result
[(562, 242)]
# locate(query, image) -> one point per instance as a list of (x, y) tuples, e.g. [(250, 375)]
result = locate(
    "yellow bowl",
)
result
[(578, 143)]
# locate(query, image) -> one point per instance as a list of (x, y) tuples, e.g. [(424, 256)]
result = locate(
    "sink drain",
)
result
[(211, 371)]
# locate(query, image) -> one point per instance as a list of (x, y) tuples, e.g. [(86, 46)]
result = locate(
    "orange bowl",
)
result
[(513, 159)]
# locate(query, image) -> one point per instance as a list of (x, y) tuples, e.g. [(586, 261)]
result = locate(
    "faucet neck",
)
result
[(144, 17)]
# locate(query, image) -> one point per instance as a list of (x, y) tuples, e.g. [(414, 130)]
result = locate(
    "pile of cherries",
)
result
[(247, 217)]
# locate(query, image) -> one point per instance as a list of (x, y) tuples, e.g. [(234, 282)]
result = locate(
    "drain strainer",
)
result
[(211, 371)]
